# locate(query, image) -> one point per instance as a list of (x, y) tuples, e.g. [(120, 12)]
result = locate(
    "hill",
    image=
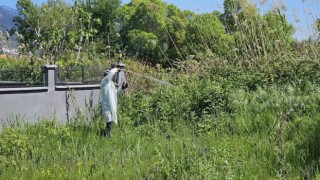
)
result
[(6, 17)]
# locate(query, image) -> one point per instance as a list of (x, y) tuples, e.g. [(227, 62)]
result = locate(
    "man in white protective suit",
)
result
[(113, 84)]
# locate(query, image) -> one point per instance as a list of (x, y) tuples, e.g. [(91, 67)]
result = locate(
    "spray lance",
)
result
[(120, 75), (151, 78)]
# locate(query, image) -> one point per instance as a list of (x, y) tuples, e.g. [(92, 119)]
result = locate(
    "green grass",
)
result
[(253, 113), (137, 153), (270, 133)]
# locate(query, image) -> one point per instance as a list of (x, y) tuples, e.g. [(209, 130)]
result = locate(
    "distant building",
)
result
[(8, 51)]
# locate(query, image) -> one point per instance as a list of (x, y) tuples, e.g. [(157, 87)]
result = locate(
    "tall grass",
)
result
[(253, 115), (269, 133)]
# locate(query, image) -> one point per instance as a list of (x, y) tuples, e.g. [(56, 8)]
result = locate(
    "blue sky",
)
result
[(300, 13)]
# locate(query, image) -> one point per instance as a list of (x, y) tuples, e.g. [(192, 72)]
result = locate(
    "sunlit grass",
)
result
[(246, 144)]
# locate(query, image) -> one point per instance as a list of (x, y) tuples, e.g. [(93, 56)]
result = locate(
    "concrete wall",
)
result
[(51, 100)]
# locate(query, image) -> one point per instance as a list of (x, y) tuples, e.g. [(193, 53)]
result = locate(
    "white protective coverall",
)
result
[(109, 94)]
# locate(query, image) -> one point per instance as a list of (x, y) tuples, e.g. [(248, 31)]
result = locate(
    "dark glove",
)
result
[(106, 72), (124, 85)]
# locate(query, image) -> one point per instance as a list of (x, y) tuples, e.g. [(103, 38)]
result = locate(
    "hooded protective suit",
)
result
[(109, 94)]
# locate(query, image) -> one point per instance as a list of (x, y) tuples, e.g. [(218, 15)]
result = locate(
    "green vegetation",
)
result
[(245, 104), (22, 70), (150, 30), (195, 130)]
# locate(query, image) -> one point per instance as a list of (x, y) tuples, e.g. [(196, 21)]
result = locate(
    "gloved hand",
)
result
[(112, 70), (124, 85), (106, 72)]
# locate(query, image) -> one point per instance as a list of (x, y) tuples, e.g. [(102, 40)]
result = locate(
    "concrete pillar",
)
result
[(50, 74)]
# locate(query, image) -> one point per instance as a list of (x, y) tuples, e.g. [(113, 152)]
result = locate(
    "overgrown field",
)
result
[(205, 127), (245, 104)]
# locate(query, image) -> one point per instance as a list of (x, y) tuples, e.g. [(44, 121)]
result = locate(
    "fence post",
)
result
[(50, 74)]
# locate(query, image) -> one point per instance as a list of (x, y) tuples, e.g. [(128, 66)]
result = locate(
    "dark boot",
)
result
[(108, 129)]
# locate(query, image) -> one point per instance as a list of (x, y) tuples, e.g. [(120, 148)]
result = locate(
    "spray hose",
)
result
[(151, 78)]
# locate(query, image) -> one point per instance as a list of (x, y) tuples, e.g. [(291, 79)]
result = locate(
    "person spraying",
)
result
[(113, 84)]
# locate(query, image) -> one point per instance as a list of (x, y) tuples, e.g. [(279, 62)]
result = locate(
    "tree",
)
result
[(260, 36), (143, 42), (145, 18), (27, 24), (4, 38), (176, 27), (207, 33), (232, 11), (277, 29), (108, 12), (53, 28)]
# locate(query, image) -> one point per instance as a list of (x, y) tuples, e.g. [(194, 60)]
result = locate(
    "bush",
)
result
[(22, 70)]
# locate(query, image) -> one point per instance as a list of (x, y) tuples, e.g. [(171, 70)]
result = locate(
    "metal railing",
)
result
[(16, 77), (83, 74)]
